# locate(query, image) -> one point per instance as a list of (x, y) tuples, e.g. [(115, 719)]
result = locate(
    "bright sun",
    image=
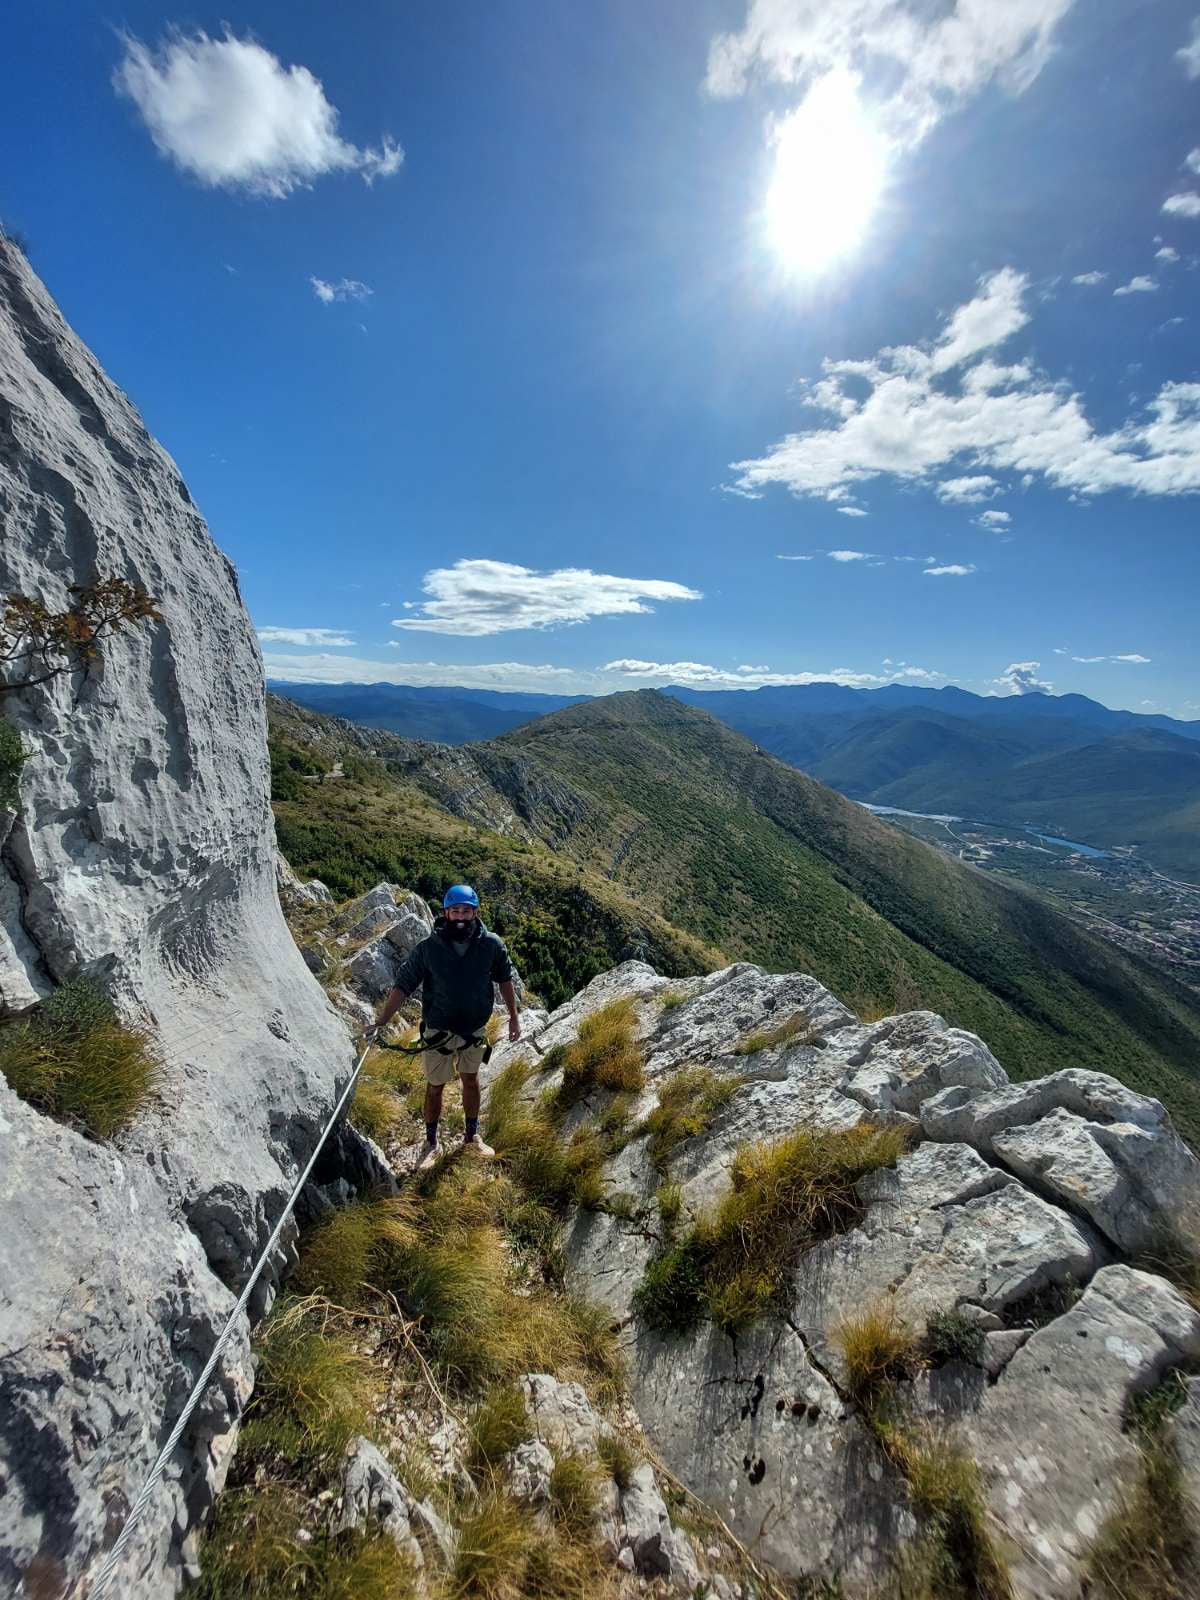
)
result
[(829, 171)]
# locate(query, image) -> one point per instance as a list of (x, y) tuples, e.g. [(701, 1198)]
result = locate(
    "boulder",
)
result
[(561, 1414), (1049, 1436), (1087, 1141), (407, 932), (371, 1492), (295, 895), (373, 970), (527, 1472)]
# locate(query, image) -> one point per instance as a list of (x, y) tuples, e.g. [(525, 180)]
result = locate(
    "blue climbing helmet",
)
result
[(460, 894)]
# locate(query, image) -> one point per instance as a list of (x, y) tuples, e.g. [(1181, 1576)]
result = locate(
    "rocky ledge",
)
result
[(1017, 1207)]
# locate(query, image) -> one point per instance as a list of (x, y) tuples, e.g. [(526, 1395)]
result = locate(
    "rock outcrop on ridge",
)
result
[(143, 853), (1013, 1207)]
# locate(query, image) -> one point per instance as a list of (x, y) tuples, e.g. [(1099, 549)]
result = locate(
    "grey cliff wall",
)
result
[(144, 850)]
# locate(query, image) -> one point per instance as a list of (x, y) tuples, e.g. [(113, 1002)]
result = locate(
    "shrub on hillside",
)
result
[(12, 759)]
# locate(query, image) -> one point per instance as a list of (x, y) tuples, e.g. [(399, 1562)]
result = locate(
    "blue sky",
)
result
[(516, 345)]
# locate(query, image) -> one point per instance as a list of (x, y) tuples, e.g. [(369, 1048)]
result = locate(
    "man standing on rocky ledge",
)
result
[(455, 968)]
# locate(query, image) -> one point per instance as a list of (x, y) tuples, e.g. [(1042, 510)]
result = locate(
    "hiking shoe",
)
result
[(477, 1147), (431, 1154)]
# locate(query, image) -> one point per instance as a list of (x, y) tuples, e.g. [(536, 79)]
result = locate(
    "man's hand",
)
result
[(514, 1028), (372, 1034)]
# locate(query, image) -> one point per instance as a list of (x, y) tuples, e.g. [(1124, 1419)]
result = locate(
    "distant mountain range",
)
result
[(1063, 763)]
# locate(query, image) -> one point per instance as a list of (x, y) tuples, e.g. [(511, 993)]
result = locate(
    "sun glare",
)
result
[(829, 171)]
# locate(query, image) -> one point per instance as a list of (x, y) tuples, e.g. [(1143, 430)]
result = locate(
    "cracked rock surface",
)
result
[(144, 852), (1013, 1208)]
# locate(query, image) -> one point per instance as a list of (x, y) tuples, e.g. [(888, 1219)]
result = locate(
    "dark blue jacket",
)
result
[(456, 989)]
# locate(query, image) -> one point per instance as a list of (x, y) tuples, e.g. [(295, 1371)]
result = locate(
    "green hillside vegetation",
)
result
[(563, 924), (743, 851)]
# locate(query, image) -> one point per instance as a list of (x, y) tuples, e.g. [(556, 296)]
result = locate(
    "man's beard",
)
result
[(461, 930)]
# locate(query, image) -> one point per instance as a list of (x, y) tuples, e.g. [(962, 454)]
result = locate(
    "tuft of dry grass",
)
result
[(75, 1061), (340, 1258), (785, 1196), (617, 1458), (688, 1103), (556, 1173), (796, 1030), (506, 1553), (313, 1389), (606, 1054), (878, 1350), (954, 1557), (673, 999), (574, 1486)]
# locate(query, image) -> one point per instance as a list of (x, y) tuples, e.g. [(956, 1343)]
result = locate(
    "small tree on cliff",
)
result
[(37, 644)]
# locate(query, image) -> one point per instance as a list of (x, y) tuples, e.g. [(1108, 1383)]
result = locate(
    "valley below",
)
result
[(1113, 893)]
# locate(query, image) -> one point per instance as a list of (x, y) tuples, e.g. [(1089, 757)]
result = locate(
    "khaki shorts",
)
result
[(459, 1058)]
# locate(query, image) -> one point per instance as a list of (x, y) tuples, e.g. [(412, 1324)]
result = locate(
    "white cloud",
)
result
[(1192, 160), (1168, 253), (918, 421), (612, 676), (699, 675), (1186, 204), (230, 114), (852, 511), (1020, 677), (343, 289), (793, 558), (948, 572), (933, 59), (1133, 659), (1189, 55), (988, 320), (483, 597), (328, 638), (993, 521), (1089, 279), (1139, 285), (966, 491), (849, 555)]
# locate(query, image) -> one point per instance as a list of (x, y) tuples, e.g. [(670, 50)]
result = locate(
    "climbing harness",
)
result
[(143, 1500), (436, 1042)]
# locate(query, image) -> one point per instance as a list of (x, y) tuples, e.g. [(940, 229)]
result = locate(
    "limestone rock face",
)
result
[(144, 853), (1011, 1208)]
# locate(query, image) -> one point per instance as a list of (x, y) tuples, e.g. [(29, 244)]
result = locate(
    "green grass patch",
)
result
[(75, 1061), (499, 1425), (796, 1030), (689, 1102), (953, 1557), (784, 1197), (554, 1171), (673, 999), (13, 756), (251, 1551), (950, 1336)]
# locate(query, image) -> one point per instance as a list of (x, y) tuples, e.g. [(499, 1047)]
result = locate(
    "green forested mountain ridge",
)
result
[(691, 821), (563, 923)]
